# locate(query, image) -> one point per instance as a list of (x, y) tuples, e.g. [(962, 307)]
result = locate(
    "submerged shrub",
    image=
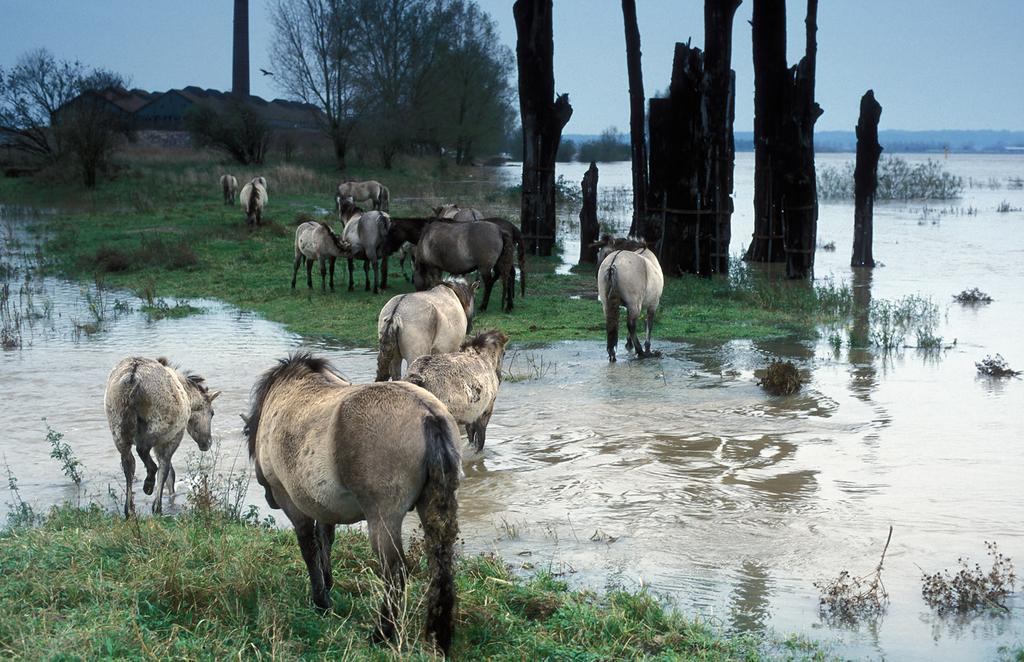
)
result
[(780, 378), (996, 367), (973, 295), (971, 588), (849, 599), (897, 180)]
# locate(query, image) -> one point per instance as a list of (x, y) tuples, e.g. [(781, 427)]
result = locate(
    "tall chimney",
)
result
[(240, 62)]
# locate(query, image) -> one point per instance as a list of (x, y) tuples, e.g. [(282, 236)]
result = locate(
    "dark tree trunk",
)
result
[(543, 117), (785, 190), (589, 227), (638, 139), (865, 180), (721, 109), (692, 153)]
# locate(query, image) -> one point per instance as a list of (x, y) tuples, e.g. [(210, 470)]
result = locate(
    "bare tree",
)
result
[(312, 51), (30, 94), (234, 127)]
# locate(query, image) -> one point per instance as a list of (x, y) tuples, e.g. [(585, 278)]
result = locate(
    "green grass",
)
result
[(161, 230), (86, 585)]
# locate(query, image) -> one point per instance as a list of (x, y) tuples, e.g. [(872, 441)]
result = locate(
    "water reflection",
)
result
[(750, 599)]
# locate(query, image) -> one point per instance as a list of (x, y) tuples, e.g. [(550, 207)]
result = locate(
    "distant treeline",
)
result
[(609, 146), (894, 141)]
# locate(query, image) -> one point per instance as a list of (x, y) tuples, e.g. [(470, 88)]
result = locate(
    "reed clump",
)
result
[(780, 378)]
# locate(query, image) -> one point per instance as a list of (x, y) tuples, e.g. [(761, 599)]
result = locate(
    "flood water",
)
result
[(678, 474)]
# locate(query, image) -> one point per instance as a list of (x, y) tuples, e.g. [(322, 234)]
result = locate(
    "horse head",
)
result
[(201, 411)]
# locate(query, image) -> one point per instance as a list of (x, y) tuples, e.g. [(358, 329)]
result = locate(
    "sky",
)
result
[(933, 64)]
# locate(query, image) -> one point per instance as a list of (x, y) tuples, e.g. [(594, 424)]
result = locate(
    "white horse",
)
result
[(229, 185), (371, 190), (150, 405), (629, 276), (254, 198), (317, 242), (418, 323)]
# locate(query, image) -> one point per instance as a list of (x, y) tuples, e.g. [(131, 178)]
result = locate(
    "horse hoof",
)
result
[(611, 359), (382, 635), (322, 608), (147, 487)]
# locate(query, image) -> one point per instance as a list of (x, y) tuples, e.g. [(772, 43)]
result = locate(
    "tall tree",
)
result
[(785, 191), (637, 135), (543, 116), (312, 56), (865, 180)]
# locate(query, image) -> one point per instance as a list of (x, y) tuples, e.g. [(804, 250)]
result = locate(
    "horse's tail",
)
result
[(612, 299), (385, 198), (126, 417), (388, 346), (440, 525)]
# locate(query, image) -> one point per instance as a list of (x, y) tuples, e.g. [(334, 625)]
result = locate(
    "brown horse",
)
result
[(460, 248), (330, 452)]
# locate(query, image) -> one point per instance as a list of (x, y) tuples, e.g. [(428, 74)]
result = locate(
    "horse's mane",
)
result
[(193, 380), (294, 366), (461, 288), (622, 243), (485, 340), (333, 235)]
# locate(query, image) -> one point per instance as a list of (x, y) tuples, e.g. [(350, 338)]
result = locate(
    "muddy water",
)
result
[(678, 474)]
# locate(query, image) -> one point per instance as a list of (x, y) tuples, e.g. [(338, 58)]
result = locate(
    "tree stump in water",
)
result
[(865, 180), (785, 190), (589, 228), (543, 118)]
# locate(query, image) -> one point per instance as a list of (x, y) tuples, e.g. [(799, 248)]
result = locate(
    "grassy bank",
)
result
[(87, 585), (160, 230)]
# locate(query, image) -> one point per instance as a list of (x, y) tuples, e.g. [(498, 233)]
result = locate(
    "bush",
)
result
[(971, 588), (233, 127), (897, 180)]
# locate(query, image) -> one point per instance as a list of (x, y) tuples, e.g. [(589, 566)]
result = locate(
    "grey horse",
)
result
[(366, 235), (317, 242), (229, 186), (466, 381), (254, 198), (430, 322), (150, 405), (630, 276), (453, 212), (329, 452), (353, 192)]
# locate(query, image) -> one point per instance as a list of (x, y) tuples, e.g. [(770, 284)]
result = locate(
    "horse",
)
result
[(366, 234), (456, 213), (316, 241), (403, 235), (151, 405), (330, 452), (630, 276), (371, 190), (254, 198), (460, 248), (466, 381), (229, 185), (431, 322)]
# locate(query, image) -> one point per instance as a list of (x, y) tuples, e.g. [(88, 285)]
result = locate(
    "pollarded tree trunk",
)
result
[(637, 137), (865, 180), (589, 227), (543, 118), (785, 190), (721, 109)]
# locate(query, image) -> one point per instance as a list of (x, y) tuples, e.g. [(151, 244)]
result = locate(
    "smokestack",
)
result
[(240, 62)]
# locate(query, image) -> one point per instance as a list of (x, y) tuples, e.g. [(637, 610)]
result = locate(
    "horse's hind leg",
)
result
[(386, 540), (611, 325), (128, 465), (309, 273), (323, 273), (332, 260), (143, 451), (488, 279), (295, 270), (325, 536), (366, 275), (632, 317), (351, 276), (649, 327), (384, 272)]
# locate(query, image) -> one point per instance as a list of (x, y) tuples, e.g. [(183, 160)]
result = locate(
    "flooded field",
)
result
[(678, 474)]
